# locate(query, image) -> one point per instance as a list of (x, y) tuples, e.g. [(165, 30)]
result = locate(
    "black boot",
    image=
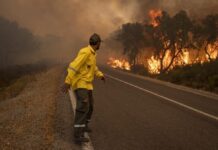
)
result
[(79, 136), (81, 139)]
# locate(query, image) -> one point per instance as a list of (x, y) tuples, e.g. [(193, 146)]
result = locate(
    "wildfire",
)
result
[(119, 63), (185, 57), (167, 58), (153, 14), (212, 50), (153, 64)]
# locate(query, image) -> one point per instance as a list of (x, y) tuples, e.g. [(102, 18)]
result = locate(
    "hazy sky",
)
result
[(76, 20), (80, 18), (68, 17)]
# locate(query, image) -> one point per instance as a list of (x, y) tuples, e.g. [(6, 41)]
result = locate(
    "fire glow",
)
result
[(168, 58), (153, 64), (153, 14), (119, 63)]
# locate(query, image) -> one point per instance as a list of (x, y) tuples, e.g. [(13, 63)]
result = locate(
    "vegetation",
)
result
[(132, 38), (15, 42), (164, 43), (14, 79), (201, 76), (173, 35)]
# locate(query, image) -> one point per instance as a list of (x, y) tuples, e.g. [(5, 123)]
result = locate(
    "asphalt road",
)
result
[(126, 118)]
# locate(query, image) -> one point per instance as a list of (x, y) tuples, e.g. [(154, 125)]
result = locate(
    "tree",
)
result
[(132, 38), (182, 26), (160, 37), (15, 42), (205, 34), (172, 34)]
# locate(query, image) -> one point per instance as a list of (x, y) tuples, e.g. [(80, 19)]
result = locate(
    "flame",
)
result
[(153, 14), (153, 65), (119, 63), (213, 50), (185, 57)]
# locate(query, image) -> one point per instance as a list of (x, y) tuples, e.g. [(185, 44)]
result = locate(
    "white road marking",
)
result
[(87, 145), (166, 98), (176, 86)]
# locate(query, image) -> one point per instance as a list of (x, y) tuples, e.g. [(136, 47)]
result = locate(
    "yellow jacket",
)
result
[(82, 69)]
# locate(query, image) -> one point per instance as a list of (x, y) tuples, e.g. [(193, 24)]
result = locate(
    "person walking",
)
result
[(81, 72)]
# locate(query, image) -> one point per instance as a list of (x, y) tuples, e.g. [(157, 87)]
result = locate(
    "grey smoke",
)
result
[(73, 21)]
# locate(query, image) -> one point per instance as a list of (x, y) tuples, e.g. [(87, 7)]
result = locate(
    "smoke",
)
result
[(73, 21), (78, 19), (195, 8), (69, 17)]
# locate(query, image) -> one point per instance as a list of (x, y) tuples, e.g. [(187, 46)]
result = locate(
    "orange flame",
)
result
[(154, 65), (153, 14), (119, 63), (212, 50)]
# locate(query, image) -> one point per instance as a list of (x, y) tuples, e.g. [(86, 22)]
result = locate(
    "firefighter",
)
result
[(81, 72)]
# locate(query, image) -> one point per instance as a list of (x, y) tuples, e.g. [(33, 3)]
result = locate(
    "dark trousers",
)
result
[(84, 110)]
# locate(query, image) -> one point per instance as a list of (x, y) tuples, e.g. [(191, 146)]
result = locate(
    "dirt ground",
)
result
[(40, 117)]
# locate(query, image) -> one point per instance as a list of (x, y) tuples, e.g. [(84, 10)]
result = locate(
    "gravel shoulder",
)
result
[(40, 117)]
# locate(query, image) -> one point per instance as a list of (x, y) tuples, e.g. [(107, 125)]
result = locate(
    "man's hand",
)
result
[(103, 79), (65, 88)]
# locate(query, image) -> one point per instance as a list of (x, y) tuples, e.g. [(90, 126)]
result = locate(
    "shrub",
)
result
[(201, 76)]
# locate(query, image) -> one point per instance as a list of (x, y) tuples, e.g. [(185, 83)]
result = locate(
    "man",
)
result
[(80, 75)]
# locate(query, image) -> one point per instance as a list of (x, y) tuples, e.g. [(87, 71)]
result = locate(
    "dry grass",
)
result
[(26, 121), (13, 79), (15, 88)]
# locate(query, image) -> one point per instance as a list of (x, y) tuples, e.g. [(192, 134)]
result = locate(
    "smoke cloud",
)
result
[(195, 8), (73, 21), (69, 17)]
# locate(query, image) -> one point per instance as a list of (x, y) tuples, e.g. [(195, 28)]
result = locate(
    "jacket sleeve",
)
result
[(75, 65), (98, 73)]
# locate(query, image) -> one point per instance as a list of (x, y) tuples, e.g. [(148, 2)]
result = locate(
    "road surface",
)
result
[(135, 114)]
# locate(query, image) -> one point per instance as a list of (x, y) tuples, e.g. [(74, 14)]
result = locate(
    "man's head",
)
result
[(95, 41)]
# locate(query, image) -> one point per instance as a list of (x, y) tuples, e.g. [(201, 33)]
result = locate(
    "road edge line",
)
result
[(168, 99), (172, 85)]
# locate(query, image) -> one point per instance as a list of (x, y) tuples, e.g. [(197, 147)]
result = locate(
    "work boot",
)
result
[(79, 136), (81, 139)]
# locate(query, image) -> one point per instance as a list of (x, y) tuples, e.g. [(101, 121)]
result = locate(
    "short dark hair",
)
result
[(94, 39)]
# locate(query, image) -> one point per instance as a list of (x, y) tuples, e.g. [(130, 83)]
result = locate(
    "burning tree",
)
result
[(169, 41), (205, 36), (132, 38), (170, 38)]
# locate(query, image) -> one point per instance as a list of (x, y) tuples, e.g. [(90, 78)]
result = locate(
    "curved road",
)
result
[(127, 118)]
